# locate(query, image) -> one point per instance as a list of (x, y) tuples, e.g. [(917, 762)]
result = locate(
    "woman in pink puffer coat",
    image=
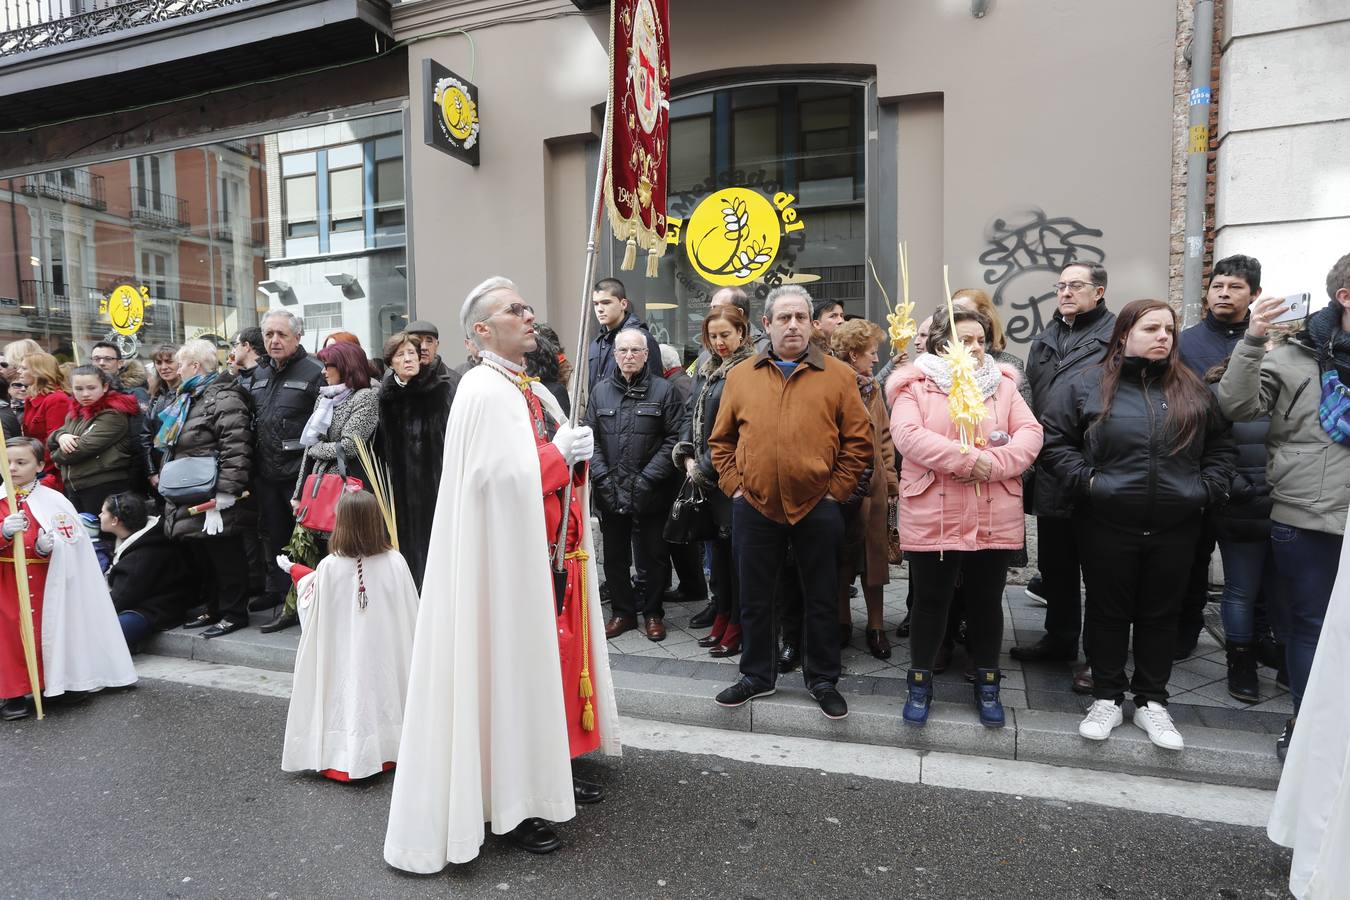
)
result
[(960, 512)]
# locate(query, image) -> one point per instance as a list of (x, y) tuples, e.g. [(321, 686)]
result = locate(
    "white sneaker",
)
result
[(1102, 717), (1157, 724)]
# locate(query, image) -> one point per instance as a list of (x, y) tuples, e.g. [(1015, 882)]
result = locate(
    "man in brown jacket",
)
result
[(792, 443)]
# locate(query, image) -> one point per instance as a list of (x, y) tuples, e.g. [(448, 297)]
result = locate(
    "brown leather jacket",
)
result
[(788, 442)]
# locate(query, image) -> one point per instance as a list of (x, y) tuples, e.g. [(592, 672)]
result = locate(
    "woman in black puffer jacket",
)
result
[(726, 335), (1139, 442), (210, 416), (1242, 525)]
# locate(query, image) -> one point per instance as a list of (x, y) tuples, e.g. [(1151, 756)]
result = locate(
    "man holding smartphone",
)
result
[(1234, 285)]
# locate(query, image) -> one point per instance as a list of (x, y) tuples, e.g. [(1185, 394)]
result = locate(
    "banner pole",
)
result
[(26, 635), (580, 364)]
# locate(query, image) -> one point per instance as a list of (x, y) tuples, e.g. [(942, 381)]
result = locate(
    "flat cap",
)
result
[(422, 326)]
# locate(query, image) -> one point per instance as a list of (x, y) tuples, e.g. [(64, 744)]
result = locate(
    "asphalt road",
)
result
[(175, 791)]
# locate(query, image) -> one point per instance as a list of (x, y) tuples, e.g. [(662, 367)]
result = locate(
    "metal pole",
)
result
[(580, 379), (1197, 163)]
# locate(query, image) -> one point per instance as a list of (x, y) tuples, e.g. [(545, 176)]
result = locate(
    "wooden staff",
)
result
[(26, 635)]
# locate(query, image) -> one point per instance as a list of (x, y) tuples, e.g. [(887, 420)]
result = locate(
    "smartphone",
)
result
[(1298, 308)]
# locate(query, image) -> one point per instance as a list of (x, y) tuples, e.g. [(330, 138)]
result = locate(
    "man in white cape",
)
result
[(1312, 808), (485, 731)]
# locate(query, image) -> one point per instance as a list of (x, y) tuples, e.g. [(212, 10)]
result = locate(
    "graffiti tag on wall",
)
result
[(1023, 260)]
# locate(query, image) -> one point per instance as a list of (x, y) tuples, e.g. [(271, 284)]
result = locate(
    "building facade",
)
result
[(248, 155)]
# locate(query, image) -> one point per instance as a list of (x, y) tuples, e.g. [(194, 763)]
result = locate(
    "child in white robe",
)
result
[(358, 611)]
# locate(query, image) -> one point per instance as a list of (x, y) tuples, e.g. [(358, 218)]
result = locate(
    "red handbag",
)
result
[(319, 497)]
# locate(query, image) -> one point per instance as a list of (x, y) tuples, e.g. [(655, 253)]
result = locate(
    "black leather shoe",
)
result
[(534, 836), (223, 627), (789, 657), (705, 618), (585, 793), (1045, 650), (68, 698), (283, 621), (14, 708), (264, 601), (201, 621), (831, 702)]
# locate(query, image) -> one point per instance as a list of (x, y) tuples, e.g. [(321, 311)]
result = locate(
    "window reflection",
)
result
[(312, 219)]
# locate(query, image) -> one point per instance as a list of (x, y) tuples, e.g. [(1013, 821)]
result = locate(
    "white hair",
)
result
[(199, 351), (670, 357), (475, 304), (786, 290), (296, 323)]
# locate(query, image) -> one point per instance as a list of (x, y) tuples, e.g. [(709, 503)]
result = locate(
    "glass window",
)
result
[(211, 236), (787, 158)]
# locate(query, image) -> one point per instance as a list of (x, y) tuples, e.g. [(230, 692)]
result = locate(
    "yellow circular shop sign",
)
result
[(125, 308), (459, 114), (732, 236)]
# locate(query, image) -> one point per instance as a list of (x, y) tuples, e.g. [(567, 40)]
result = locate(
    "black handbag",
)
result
[(691, 516), (189, 480)]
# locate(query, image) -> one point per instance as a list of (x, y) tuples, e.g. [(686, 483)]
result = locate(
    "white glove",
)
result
[(564, 441), (583, 444), (225, 501), (13, 524), (43, 543), (284, 563), (214, 524)]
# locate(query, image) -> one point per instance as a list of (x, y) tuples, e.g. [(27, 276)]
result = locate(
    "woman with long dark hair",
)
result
[(1140, 443)]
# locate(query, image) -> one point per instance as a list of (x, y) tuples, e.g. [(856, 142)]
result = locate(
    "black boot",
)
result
[(1242, 682), (14, 708)]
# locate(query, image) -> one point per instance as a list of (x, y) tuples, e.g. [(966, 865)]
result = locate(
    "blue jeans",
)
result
[(1305, 564), (1244, 565), (135, 628)]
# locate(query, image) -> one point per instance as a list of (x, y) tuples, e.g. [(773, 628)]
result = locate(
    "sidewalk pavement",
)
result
[(1227, 742)]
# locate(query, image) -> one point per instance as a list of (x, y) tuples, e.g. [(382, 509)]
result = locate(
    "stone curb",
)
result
[(1212, 755)]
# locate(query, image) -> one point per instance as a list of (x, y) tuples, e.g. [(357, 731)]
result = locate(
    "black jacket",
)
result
[(601, 353), (411, 440), (1123, 469), (1245, 517), (151, 577), (704, 401), (217, 423), (1209, 342), (1054, 357), (636, 425), (282, 406)]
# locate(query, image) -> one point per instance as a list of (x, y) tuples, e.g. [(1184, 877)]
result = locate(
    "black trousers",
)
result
[(725, 589), (787, 598), (222, 572), (1134, 582), (983, 575), (90, 499), (276, 522), (619, 532), (1059, 561), (687, 561), (760, 546), (1192, 617)]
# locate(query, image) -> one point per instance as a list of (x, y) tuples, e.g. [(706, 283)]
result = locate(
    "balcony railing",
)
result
[(70, 186), (158, 210), (28, 25), (253, 232), (46, 298)]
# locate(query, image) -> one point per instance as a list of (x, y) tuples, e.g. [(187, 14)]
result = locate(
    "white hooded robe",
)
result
[(484, 731)]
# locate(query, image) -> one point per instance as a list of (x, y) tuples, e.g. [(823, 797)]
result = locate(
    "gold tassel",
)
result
[(629, 255), (653, 264), (585, 690), (588, 717)]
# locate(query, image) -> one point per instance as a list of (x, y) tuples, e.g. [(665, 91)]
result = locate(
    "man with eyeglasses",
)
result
[(636, 419), (1076, 338), (505, 686)]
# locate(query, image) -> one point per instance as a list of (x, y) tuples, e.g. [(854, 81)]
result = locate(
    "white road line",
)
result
[(1192, 800)]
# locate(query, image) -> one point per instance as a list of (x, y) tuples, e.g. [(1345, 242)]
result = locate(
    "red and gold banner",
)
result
[(639, 107)]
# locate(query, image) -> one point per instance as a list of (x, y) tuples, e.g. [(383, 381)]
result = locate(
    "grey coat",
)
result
[(1308, 472), (355, 418)]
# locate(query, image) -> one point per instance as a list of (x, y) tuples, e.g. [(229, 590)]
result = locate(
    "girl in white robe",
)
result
[(1312, 808), (79, 642), (358, 611)]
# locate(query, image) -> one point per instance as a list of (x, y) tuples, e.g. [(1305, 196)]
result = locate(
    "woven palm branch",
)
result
[(378, 473)]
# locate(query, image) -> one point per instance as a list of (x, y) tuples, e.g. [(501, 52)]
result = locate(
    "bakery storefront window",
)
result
[(767, 187), (197, 242)]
